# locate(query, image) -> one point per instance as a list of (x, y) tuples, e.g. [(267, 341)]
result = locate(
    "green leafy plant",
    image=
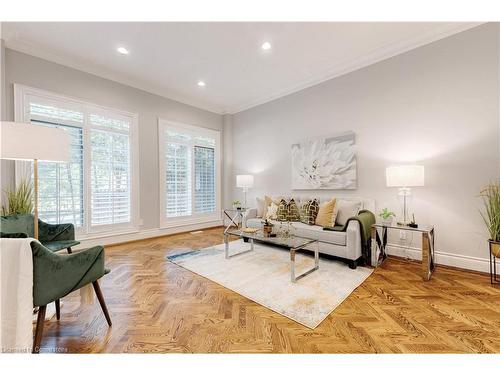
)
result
[(236, 203), (19, 200), (491, 214), (386, 214)]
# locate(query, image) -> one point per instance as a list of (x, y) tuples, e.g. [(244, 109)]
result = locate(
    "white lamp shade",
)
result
[(405, 176), (19, 141), (244, 181)]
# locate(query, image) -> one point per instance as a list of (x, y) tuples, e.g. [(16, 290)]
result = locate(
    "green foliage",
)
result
[(386, 214), (20, 200), (236, 203), (491, 215)]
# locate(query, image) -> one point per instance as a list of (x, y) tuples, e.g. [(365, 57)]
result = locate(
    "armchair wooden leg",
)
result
[(69, 250), (39, 329), (58, 309), (100, 297)]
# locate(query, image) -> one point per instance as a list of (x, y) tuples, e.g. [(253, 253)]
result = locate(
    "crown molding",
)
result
[(89, 67), (362, 62), (336, 71)]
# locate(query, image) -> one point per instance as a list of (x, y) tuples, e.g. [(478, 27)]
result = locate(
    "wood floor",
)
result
[(157, 306)]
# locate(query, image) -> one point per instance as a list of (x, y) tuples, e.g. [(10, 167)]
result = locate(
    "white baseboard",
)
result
[(144, 234), (446, 259)]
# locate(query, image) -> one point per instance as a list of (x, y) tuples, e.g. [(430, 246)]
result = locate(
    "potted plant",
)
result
[(19, 200), (491, 215), (386, 216), (267, 227), (237, 205)]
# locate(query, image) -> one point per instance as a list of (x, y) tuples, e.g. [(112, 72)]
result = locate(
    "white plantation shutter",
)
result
[(61, 191), (178, 179), (110, 170), (189, 172), (94, 191), (204, 166)]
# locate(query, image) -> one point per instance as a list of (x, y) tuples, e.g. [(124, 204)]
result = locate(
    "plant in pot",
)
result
[(267, 227), (386, 216), (491, 215), (19, 200), (237, 205)]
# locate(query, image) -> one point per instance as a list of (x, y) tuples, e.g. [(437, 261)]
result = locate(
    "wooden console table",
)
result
[(379, 243)]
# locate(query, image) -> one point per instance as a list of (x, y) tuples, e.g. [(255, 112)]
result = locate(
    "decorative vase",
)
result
[(495, 248), (267, 230), (387, 222)]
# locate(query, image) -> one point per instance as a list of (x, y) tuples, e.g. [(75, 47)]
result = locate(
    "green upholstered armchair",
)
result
[(56, 275), (55, 237)]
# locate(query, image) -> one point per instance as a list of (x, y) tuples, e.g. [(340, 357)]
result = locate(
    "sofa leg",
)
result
[(39, 329), (353, 264), (69, 250), (100, 297), (58, 308)]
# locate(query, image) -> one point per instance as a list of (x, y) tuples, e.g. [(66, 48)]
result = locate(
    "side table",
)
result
[(379, 243), (235, 217)]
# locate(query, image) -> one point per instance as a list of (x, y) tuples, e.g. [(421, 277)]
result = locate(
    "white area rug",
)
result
[(263, 275)]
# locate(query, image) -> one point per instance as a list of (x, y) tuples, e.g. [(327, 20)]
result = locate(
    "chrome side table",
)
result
[(379, 243), (235, 217)]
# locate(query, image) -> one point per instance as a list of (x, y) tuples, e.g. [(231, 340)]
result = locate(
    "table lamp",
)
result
[(244, 181), (20, 141), (404, 177)]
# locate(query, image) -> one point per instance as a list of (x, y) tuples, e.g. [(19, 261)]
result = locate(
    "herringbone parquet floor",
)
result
[(157, 306)]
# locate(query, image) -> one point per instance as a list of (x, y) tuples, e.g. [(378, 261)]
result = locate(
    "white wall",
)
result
[(437, 105), (38, 73)]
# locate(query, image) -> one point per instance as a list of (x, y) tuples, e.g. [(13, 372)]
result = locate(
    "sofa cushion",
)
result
[(261, 207), (316, 232), (308, 231), (325, 214), (309, 211), (344, 209)]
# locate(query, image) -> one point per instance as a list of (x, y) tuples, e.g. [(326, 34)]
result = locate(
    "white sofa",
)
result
[(345, 245)]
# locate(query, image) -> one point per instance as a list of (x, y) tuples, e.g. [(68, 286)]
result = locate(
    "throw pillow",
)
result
[(288, 211), (344, 210), (293, 211), (271, 211), (325, 214), (282, 212), (261, 207), (309, 211)]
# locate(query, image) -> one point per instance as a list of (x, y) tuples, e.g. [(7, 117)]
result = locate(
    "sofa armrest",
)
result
[(353, 240), (55, 232), (251, 213)]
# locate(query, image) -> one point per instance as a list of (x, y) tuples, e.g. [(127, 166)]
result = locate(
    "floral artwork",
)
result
[(325, 163)]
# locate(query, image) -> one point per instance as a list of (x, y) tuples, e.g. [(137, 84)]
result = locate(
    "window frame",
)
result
[(23, 169), (194, 218)]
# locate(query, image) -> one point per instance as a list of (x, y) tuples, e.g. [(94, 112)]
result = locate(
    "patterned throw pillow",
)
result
[(282, 213), (288, 211), (309, 211), (293, 211)]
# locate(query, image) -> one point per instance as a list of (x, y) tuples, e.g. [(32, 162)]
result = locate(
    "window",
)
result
[(189, 174), (95, 190)]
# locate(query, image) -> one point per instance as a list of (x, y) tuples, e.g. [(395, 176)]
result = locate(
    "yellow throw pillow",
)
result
[(325, 214)]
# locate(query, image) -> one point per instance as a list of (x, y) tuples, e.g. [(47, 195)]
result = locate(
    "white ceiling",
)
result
[(168, 58)]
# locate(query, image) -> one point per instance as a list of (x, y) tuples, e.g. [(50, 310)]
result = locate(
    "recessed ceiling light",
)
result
[(201, 83), (123, 50), (265, 46)]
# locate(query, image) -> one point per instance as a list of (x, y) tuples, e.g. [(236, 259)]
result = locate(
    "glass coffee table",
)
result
[(292, 243)]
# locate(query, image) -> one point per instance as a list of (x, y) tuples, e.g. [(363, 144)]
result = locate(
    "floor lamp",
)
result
[(404, 177), (20, 141)]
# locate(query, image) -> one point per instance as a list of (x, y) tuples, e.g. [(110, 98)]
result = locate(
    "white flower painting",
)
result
[(326, 163)]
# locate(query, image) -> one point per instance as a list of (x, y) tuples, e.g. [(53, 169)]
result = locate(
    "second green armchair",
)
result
[(53, 236)]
